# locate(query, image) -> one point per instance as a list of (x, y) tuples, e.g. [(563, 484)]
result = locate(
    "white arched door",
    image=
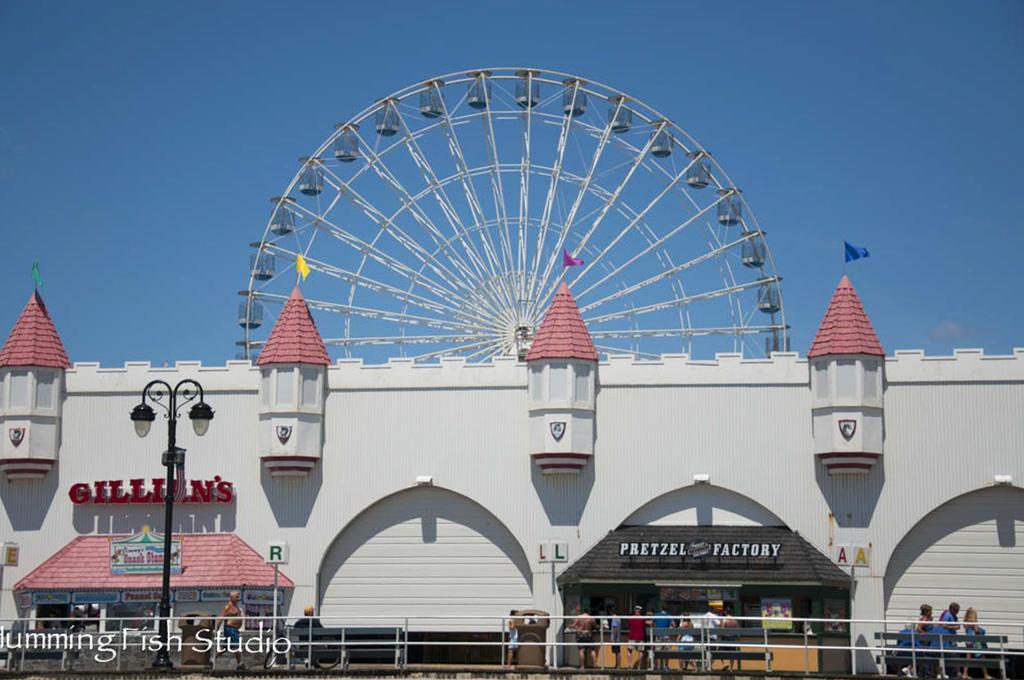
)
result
[(970, 551), (426, 552)]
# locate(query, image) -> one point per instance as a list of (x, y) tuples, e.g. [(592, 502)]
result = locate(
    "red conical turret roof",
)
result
[(34, 341), (846, 328), (562, 333), (295, 339)]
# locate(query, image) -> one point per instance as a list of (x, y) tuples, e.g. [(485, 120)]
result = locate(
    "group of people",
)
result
[(948, 623), (642, 627)]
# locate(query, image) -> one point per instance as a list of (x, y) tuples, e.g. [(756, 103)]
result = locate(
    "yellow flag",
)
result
[(301, 266)]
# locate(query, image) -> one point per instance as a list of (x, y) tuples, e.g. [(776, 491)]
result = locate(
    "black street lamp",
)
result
[(142, 416)]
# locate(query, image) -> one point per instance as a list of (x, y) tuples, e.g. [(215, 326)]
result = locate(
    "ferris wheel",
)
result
[(440, 220)]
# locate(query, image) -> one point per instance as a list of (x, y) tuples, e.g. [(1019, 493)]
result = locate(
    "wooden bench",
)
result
[(327, 647), (374, 644), (729, 642), (14, 657), (941, 649)]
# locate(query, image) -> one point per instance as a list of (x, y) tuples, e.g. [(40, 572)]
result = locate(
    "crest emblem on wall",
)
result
[(847, 428), (284, 433), (17, 435), (557, 430)]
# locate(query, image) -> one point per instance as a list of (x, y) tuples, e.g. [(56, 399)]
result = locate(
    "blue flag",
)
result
[(855, 252)]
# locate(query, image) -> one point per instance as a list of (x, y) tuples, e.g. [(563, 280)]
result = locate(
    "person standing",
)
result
[(662, 623), (637, 633), (584, 627), (709, 622), (725, 623), (615, 635), (513, 637), (231, 617)]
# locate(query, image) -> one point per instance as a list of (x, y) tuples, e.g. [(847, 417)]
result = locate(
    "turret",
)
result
[(293, 368), (561, 383), (847, 366), (32, 365)]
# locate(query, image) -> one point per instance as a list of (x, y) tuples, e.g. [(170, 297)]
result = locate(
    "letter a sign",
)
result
[(853, 555), (277, 553)]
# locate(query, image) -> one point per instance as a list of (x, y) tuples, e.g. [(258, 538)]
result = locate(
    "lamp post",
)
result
[(142, 416)]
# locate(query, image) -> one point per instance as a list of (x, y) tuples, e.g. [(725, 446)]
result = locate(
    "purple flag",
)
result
[(570, 261)]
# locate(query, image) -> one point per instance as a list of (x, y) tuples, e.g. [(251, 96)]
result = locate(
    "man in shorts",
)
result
[(584, 625), (231, 617), (637, 636)]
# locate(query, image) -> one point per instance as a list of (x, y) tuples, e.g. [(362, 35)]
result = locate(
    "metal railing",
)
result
[(895, 644)]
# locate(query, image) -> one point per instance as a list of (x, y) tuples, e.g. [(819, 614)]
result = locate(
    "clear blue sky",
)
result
[(139, 143)]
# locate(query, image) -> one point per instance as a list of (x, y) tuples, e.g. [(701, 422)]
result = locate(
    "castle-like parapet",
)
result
[(963, 365)]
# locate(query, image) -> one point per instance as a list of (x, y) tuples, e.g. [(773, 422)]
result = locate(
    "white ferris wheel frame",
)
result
[(473, 297)]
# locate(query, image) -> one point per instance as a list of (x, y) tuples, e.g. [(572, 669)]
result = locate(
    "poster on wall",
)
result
[(834, 609), (775, 607), (142, 553)]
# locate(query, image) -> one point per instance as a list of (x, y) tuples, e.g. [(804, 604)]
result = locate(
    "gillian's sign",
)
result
[(115, 491), (700, 549), (142, 553)]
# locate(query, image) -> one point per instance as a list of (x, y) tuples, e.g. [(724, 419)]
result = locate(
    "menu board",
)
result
[(776, 607), (683, 594)]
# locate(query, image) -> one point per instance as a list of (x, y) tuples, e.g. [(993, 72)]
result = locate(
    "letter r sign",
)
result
[(277, 553)]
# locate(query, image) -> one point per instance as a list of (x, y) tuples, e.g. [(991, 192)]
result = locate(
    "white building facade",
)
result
[(415, 489)]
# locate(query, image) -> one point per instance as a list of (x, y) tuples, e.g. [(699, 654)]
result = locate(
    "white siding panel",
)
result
[(970, 550), (703, 506), (426, 552)]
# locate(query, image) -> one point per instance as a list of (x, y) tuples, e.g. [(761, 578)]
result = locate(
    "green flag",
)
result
[(35, 274)]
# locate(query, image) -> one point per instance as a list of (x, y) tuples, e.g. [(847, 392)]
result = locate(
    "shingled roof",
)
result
[(797, 561), (562, 333), (845, 329), (34, 340), (295, 339), (208, 561)]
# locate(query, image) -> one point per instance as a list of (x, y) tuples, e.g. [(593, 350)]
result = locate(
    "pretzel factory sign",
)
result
[(699, 549)]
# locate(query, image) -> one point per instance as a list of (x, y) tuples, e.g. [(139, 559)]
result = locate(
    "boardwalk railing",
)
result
[(675, 643)]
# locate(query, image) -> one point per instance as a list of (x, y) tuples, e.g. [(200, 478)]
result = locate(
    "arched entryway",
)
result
[(426, 552), (969, 550)]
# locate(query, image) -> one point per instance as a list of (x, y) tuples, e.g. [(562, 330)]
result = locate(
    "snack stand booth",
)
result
[(752, 571)]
